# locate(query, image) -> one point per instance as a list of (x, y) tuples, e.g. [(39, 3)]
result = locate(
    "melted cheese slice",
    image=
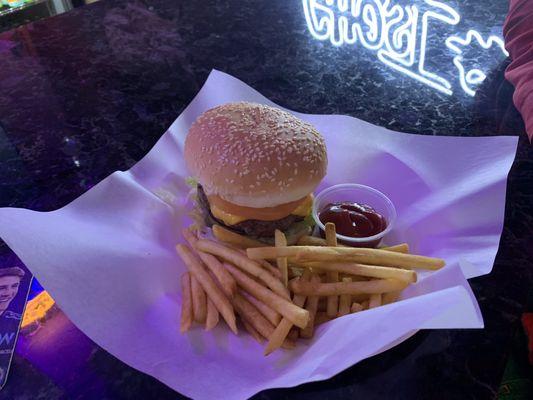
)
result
[(303, 210)]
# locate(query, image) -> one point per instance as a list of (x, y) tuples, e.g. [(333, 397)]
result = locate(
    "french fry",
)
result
[(271, 315), (288, 344), (311, 306), (356, 307), (321, 317), (189, 236), (253, 332), (359, 298), (281, 240), (331, 235), (284, 327), (227, 283), (322, 304), (329, 289), (355, 278), (295, 271), (293, 334), (252, 315), (199, 300), (233, 238), (316, 241), (233, 276), (374, 300), (269, 267), (357, 255), (244, 263), (372, 271), (186, 303), (398, 248), (390, 297), (295, 314), (212, 315), (332, 276), (311, 241), (275, 271), (345, 301), (199, 271)]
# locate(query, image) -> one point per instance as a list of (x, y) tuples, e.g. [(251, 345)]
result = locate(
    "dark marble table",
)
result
[(89, 92)]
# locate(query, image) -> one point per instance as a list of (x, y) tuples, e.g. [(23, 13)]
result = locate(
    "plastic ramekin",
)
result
[(360, 194)]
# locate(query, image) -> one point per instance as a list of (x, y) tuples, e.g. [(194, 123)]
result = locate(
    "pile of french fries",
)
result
[(312, 282)]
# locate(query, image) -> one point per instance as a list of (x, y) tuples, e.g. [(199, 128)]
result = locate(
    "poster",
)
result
[(15, 282)]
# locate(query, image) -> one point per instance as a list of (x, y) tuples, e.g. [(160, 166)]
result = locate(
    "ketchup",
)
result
[(354, 220)]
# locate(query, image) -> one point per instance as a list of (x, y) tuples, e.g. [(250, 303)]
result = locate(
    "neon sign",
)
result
[(398, 35), (474, 76)]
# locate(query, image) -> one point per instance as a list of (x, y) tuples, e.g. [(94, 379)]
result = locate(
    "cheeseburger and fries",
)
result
[(255, 168)]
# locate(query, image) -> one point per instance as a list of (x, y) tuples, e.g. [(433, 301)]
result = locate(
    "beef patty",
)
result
[(250, 227)]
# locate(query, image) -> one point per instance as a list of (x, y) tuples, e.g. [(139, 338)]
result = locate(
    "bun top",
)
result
[(254, 155)]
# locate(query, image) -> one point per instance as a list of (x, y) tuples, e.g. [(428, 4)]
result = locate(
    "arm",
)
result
[(518, 33)]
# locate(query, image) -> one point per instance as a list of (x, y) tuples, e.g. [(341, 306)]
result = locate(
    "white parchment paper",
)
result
[(108, 258)]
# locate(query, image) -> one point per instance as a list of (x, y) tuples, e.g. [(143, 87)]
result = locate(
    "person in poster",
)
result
[(10, 315)]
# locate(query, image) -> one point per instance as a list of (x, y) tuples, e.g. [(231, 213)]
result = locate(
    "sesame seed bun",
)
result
[(254, 155)]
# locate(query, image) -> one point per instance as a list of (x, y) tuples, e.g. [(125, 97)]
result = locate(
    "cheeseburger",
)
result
[(255, 167)]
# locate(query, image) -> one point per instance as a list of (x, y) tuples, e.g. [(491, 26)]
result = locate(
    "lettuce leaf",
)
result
[(191, 181)]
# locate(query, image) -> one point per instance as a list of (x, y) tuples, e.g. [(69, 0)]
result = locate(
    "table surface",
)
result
[(89, 92)]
